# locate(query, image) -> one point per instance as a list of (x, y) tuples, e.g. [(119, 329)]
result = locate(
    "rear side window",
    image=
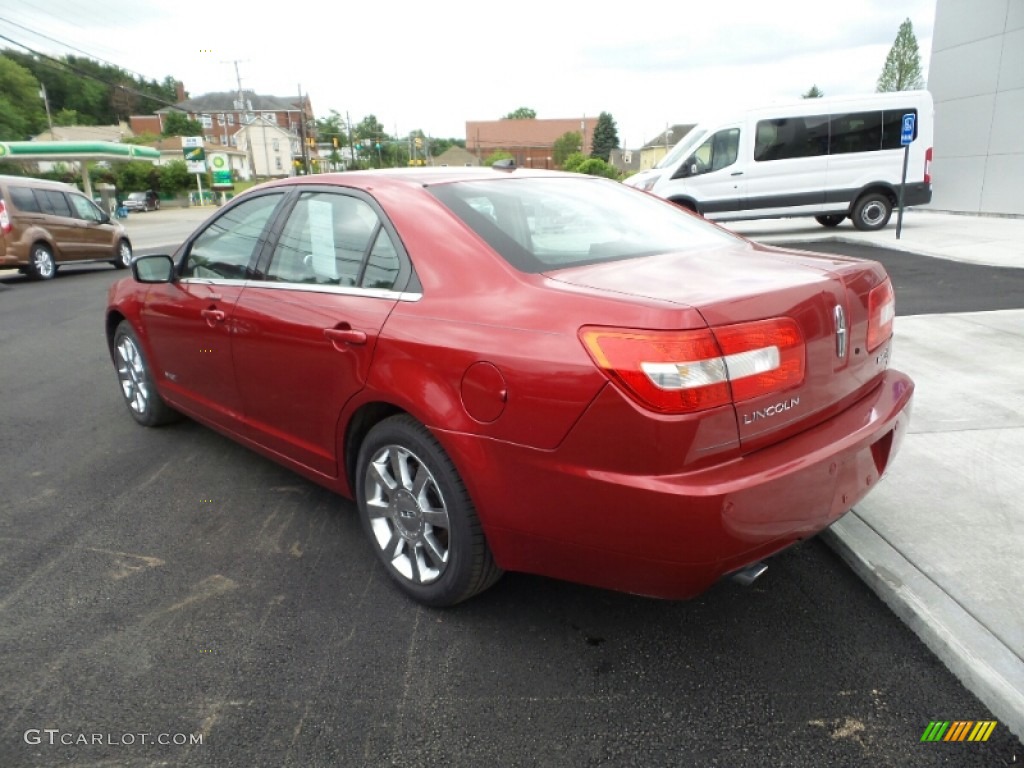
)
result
[(325, 240), (24, 200), (55, 203), (786, 138)]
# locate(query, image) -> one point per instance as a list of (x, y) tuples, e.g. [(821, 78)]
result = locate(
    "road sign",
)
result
[(907, 134)]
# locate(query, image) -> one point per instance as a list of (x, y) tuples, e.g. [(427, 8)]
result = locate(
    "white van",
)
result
[(829, 158)]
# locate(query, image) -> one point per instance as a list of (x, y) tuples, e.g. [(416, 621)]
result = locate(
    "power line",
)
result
[(88, 75), (73, 48)]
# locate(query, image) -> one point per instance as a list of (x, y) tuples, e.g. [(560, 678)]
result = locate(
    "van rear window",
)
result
[(24, 199)]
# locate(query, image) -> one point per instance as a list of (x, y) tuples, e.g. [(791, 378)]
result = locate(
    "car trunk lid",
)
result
[(734, 287)]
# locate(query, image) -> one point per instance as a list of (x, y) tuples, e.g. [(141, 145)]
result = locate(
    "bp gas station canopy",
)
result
[(75, 151)]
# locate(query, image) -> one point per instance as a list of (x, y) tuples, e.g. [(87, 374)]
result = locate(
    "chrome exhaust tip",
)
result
[(748, 574)]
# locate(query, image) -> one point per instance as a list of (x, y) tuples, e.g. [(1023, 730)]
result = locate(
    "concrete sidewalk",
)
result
[(942, 536)]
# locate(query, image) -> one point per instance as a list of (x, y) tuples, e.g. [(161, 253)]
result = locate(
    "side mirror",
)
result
[(154, 268)]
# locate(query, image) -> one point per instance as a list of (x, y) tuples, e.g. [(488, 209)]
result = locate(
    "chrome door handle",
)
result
[(213, 316), (345, 336)]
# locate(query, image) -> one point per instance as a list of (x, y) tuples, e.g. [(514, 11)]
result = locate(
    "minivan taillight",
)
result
[(881, 312), (689, 371), (928, 166), (5, 220)]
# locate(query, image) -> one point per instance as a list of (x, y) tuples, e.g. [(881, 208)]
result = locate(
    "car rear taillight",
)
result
[(928, 166), (881, 312), (689, 371), (5, 220)]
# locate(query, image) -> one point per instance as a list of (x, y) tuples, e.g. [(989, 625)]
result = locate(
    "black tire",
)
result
[(41, 265), (143, 401), (872, 212), (123, 260), (421, 524), (831, 220)]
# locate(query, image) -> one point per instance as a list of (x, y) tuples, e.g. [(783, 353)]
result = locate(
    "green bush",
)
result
[(592, 166)]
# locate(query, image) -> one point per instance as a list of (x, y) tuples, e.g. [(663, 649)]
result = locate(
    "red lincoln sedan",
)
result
[(524, 370)]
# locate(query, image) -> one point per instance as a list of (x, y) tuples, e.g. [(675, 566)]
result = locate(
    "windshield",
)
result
[(539, 224), (137, 196)]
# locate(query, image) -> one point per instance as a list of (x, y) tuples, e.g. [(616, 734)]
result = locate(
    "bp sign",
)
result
[(221, 171)]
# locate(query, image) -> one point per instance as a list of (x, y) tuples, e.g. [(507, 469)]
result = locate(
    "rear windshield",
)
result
[(540, 224)]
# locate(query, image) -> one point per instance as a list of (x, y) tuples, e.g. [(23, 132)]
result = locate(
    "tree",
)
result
[(174, 177), (136, 176), (494, 157), (178, 124), (440, 146), (606, 137), (902, 70), (814, 93), (21, 109), (523, 113), (565, 145)]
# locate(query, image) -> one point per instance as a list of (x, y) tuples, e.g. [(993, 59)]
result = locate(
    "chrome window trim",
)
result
[(214, 281), (370, 293)]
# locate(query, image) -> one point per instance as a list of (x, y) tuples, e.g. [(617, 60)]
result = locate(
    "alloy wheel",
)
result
[(407, 514)]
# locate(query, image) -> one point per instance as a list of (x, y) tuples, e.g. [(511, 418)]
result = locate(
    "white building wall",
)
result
[(976, 78)]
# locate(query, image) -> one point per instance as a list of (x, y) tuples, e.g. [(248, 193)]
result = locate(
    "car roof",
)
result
[(32, 181), (420, 177)]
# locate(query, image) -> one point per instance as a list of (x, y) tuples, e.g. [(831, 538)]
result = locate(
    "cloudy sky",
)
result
[(433, 66)]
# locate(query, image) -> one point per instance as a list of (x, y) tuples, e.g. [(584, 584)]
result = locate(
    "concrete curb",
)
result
[(985, 665)]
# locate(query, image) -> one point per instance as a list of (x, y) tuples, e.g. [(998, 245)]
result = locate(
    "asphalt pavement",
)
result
[(171, 583), (940, 538)]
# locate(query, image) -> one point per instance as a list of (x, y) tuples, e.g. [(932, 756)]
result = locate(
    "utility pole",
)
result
[(351, 149), (302, 132), (46, 101), (245, 118)]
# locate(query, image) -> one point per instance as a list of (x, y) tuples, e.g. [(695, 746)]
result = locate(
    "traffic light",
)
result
[(418, 141), (335, 142)]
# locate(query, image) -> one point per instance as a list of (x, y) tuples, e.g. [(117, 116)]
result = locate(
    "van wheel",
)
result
[(124, 255), (831, 220), (872, 212), (41, 265)]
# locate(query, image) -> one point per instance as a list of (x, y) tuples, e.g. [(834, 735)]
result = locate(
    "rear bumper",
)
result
[(673, 535), (917, 194)]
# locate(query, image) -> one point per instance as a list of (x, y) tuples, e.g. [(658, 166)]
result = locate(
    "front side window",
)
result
[(717, 152), (86, 209), (325, 242), (226, 247), (543, 224)]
